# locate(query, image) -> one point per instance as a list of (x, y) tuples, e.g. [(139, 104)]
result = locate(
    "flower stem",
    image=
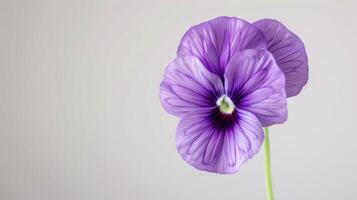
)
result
[(267, 166)]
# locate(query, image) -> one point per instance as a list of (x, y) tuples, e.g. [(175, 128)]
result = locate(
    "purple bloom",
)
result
[(225, 86)]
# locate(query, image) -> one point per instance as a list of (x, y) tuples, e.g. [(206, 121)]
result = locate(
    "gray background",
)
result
[(80, 116)]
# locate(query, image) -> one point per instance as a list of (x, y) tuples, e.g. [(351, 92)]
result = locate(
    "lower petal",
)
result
[(209, 148)]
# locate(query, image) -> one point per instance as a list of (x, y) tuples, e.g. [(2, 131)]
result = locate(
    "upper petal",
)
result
[(289, 53), (218, 150), (256, 84), (215, 41), (187, 86)]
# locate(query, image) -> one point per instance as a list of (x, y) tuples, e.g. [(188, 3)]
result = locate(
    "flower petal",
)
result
[(289, 53), (221, 151), (214, 42), (256, 84), (188, 86)]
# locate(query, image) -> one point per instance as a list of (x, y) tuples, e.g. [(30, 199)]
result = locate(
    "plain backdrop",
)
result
[(80, 116)]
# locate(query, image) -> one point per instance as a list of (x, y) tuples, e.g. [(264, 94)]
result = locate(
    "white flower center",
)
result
[(225, 104)]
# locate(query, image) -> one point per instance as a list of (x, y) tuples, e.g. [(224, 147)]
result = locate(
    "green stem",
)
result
[(267, 166)]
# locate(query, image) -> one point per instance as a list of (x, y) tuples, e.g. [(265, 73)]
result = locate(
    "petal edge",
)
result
[(289, 52)]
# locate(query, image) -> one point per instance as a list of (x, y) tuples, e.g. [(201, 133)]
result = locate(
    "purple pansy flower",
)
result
[(225, 85)]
